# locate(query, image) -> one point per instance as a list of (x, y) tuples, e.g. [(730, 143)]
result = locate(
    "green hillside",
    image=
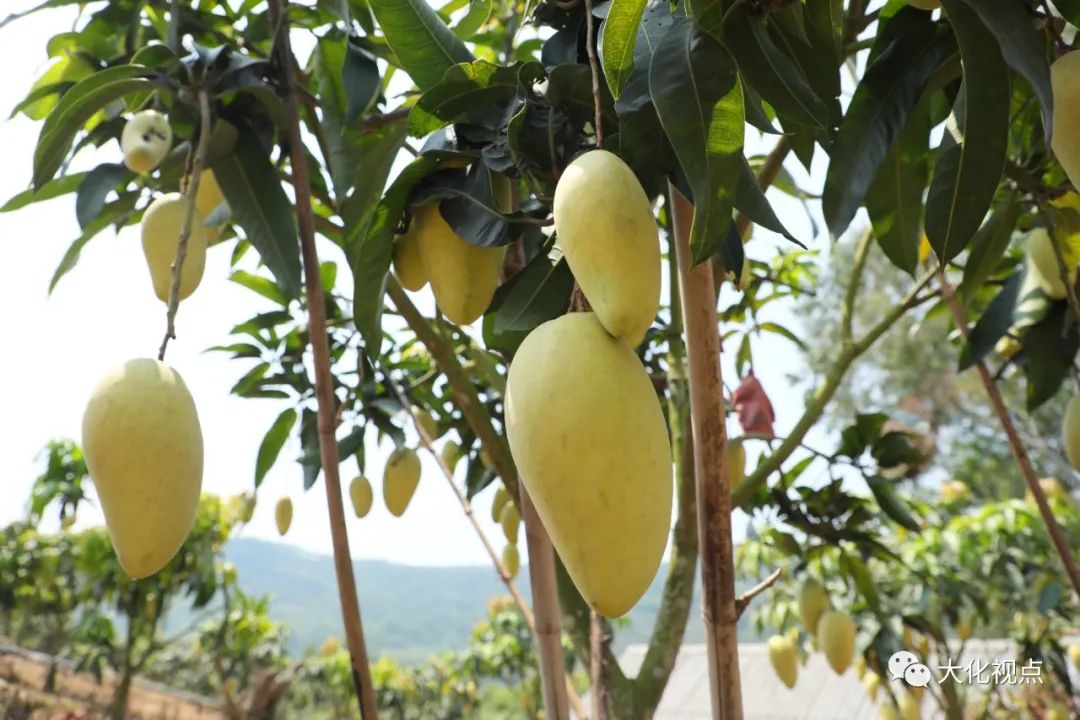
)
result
[(410, 612)]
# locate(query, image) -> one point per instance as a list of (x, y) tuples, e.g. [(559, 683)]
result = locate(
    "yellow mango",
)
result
[(813, 601), (463, 277), (283, 515), (836, 638), (511, 560), (144, 449), (1065, 82), (1042, 262), (361, 495), (784, 658), (145, 140), (400, 478), (408, 265), (1070, 431), (427, 422), (872, 683), (588, 436), (607, 231), (161, 225), (207, 200), (910, 707), (498, 503), (510, 521), (736, 462), (247, 507)]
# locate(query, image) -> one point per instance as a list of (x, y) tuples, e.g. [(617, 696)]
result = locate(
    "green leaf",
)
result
[(894, 201), (879, 110), (361, 79), (373, 152), (422, 43), (77, 106), (114, 212), (989, 247), (43, 6), (892, 505), (970, 164), (570, 89), (540, 292), (993, 324), (54, 188), (702, 116), (272, 442), (1070, 10), (479, 12), (618, 38), (750, 200), (261, 285), (95, 187), (261, 207), (1050, 346), (329, 59), (464, 90), (1023, 47), (769, 71)]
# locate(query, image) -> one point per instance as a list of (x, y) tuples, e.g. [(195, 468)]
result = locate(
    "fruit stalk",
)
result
[(191, 193), (324, 382), (1016, 445), (544, 625), (707, 421)]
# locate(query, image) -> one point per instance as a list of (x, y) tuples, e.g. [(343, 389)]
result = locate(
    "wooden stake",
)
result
[(714, 491), (324, 381)]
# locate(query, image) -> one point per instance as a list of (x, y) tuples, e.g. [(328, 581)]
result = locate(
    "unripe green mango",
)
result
[(283, 515), (408, 265), (607, 231), (1065, 83), (784, 658), (498, 503), (1070, 431), (588, 435), (836, 638), (511, 560), (361, 495), (463, 277), (145, 140), (1042, 261), (510, 521), (736, 462), (144, 449), (400, 478), (161, 225), (813, 602)]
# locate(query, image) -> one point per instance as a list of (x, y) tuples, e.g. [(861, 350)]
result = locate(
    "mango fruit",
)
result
[(784, 658), (463, 277), (872, 683), (1042, 261), (588, 436), (450, 453), (144, 450), (1074, 656), (408, 266), (427, 422), (498, 503), (283, 515), (400, 478), (736, 462), (836, 638), (361, 495), (1052, 488), (1065, 83), (910, 707), (246, 502), (511, 560), (607, 231), (207, 200), (510, 521), (145, 140), (1070, 431), (161, 225), (813, 602)]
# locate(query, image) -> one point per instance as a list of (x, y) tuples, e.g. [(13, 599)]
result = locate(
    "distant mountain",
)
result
[(410, 612)]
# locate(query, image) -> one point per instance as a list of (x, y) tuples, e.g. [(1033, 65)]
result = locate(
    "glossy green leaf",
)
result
[(890, 504), (618, 38), (464, 90), (262, 285), (261, 207), (992, 325), (115, 212), (989, 246), (63, 185), (750, 200), (540, 292), (479, 12), (422, 43), (702, 116), (95, 188), (970, 162), (1050, 346), (272, 442)]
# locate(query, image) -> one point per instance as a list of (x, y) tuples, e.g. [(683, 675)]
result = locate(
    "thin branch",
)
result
[(862, 252), (189, 218), (324, 380), (596, 665), (594, 67), (743, 600), (1016, 445)]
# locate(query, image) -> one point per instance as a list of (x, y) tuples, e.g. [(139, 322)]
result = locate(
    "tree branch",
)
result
[(189, 218), (743, 600), (862, 252), (324, 381), (1016, 445), (594, 67)]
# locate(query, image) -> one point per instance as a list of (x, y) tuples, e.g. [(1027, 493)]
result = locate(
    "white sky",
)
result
[(104, 312)]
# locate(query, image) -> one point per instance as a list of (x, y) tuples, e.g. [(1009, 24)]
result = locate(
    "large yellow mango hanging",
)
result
[(607, 231), (588, 435)]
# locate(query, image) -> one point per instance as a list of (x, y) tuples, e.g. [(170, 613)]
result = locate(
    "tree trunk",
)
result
[(713, 485)]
